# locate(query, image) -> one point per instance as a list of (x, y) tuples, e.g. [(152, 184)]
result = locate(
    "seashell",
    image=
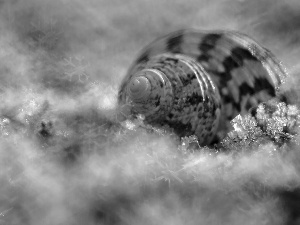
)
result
[(195, 82)]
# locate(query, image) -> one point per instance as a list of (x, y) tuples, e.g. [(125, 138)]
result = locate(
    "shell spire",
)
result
[(148, 92), (139, 88)]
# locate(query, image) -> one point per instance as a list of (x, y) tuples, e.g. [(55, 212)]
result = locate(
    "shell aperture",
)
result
[(199, 81)]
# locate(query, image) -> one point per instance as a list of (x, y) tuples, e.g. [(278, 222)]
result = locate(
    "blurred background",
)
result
[(64, 161)]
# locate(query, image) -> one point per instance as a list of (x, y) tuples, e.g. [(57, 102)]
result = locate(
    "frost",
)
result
[(245, 128), (278, 120), (189, 143), (72, 162), (45, 33), (275, 121), (4, 127), (129, 125)]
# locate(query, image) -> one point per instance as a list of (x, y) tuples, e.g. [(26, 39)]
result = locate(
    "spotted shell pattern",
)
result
[(196, 82)]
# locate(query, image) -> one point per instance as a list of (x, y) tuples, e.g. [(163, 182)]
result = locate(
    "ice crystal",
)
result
[(272, 120), (76, 67)]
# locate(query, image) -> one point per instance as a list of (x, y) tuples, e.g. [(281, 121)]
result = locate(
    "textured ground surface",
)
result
[(62, 160)]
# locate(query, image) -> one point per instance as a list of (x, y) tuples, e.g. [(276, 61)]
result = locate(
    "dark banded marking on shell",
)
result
[(174, 44), (207, 79)]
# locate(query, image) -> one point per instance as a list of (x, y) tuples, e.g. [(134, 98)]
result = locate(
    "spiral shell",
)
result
[(196, 82)]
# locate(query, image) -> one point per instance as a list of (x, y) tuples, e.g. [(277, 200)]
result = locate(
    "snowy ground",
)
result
[(62, 160)]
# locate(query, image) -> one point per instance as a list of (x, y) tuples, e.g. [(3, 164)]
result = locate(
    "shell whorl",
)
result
[(192, 81)]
